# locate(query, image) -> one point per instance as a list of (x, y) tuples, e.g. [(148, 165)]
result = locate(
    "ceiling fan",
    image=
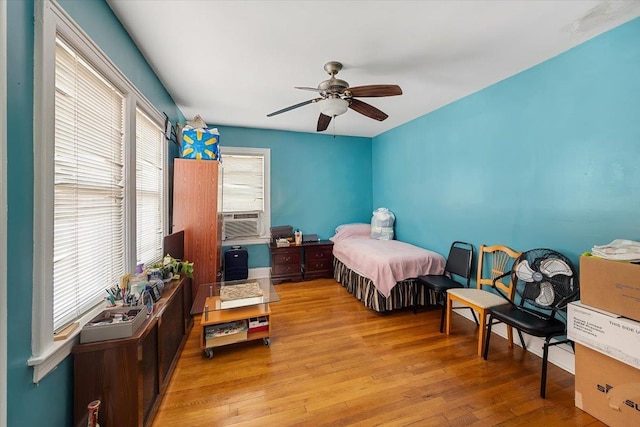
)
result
[(336, 97)]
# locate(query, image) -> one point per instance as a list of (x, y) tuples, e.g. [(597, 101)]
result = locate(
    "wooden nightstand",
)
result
[(318, 260), (309, 261), (286, 263)]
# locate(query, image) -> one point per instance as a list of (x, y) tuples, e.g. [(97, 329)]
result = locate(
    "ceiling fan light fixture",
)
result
[(333, 106)]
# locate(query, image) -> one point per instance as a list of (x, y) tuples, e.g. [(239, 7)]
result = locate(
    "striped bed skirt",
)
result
[(402, 294)]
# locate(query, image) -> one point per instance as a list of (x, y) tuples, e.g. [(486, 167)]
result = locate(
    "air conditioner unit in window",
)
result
[(241, 225)]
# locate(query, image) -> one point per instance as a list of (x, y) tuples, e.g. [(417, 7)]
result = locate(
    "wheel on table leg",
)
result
[(267, 341), (208, 352)]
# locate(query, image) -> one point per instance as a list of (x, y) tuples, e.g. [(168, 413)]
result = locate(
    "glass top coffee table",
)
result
[(208, 295), (234, 311)]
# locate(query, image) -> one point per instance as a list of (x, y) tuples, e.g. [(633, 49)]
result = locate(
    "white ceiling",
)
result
[(233, 62)]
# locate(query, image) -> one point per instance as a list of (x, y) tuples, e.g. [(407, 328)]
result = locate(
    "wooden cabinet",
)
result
[(129, 375), (286, 264), (318, 260), (308, 261), (197, 209)]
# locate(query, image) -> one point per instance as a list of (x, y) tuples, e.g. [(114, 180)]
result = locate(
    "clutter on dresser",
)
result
[(113, 323), (282, 243), (282, 232), (307, 238)]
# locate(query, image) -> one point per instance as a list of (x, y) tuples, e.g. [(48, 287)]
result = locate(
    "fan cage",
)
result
[(565, 287)]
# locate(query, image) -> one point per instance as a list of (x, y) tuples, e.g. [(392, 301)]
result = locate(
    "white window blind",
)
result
[(149, 189), (243, 183), (89, 238)]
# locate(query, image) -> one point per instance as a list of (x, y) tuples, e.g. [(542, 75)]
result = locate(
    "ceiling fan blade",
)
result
[(367, 110), (284, 110), (312, 89), (323, 122), (372, 91)]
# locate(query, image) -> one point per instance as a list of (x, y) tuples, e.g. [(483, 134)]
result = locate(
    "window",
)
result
[(149, 189), (99, 164), (88, 224), (245, 194)]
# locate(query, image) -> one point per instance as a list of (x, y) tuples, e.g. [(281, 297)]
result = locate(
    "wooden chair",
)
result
[(493, 261)]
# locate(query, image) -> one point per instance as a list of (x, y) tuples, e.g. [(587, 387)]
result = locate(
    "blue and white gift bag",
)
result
[(200, 143)]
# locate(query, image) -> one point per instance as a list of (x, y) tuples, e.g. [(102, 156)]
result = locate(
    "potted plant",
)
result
[(170, 267)]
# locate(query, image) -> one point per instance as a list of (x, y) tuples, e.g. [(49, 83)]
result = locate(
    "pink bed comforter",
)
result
[(386, 262)]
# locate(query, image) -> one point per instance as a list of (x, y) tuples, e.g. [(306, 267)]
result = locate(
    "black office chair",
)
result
[(458, 264), (545, 281)]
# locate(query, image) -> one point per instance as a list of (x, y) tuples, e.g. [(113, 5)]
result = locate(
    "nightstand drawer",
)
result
[(285, 269), (318, 265), (318, 254), (286, 258)]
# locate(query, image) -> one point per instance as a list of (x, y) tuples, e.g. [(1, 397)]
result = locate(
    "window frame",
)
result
[(265, 237), (3, 213), (52, 20)]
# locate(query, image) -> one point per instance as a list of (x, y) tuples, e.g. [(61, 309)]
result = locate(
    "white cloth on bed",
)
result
[(385, 262)]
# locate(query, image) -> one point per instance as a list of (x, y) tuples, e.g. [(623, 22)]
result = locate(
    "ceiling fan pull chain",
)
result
[(334, 127)]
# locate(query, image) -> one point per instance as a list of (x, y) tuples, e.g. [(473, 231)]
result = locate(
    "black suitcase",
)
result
[(236, 263)]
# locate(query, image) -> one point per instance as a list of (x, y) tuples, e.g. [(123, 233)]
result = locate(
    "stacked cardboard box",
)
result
[(607, 389), (606, 328), (613, 286)]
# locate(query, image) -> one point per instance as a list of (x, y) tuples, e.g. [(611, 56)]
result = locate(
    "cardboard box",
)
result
[(613, 286), (609, 333), (607, 389), (109, 324)]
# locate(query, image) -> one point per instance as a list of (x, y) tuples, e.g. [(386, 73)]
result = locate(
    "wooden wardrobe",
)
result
[(197, 209)]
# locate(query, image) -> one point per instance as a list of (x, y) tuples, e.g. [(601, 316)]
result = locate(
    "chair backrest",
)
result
[(459, 260), (494, 261), (545, 279)]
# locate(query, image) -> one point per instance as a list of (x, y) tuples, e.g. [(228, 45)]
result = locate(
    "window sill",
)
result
[(248, 241), (57, 351)]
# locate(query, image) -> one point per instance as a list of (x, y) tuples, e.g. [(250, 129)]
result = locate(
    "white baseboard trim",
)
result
[(560, 355)]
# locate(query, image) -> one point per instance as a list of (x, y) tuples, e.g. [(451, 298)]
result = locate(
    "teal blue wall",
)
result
[(317, 181), (51, 401), (547, 158)]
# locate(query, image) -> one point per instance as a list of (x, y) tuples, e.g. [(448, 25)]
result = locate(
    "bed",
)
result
[(382, 273)]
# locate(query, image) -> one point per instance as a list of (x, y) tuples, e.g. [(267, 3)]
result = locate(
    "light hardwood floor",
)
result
[(333, 362)]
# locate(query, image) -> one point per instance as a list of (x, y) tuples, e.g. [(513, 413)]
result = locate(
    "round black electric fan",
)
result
[(546, 279)]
